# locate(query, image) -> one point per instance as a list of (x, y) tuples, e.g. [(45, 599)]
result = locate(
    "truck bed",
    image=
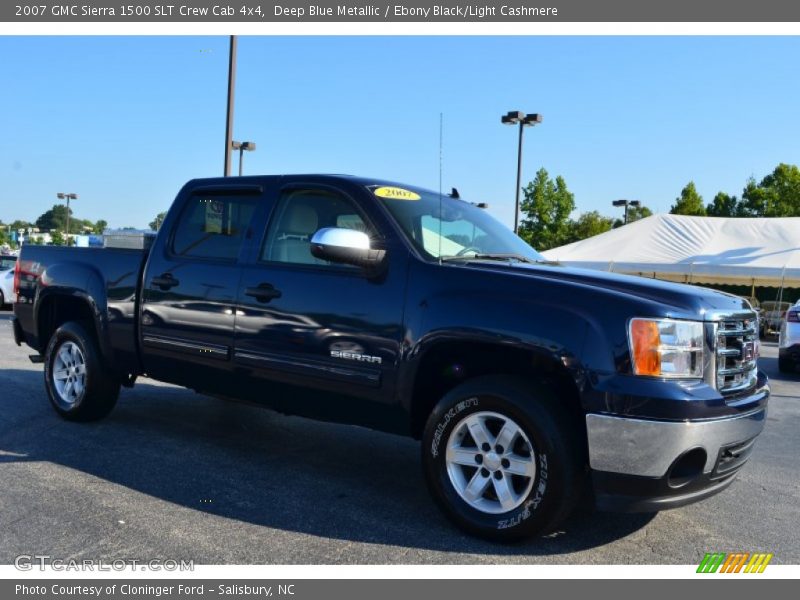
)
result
[(109, 275)]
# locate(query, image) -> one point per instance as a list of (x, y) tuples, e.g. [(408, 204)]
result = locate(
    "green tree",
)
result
[(100, 226), (58, 238), (546, 208), (17, 225), (156, 223), (638, 212), (589, 224), (55, 218), (777, 195), (723, 205), (689, 202), (634, 214), (84, 226)]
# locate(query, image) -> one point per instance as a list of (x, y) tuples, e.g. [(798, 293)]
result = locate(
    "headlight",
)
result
[(666, 348)]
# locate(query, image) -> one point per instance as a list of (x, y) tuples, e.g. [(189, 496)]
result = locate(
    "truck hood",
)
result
[(673, 299)]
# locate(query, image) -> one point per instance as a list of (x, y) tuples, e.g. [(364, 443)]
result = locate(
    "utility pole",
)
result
[(626, 203), (242, 147), (229, 120), (67, 197), (512, 118)]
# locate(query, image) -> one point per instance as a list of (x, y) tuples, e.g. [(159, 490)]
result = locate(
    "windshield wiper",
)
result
[(492, 256)]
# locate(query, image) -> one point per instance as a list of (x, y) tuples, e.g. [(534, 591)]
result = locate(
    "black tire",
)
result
[(558, 453), (785, 365), (2, 300), (100, 389)]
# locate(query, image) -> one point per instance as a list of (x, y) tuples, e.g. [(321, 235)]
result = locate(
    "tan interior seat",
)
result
[(293, 243)]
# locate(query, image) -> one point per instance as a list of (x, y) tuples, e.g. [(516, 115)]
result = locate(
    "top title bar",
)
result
[(254, 11)]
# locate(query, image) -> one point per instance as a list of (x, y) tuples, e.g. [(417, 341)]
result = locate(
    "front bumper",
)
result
[(646, 465)]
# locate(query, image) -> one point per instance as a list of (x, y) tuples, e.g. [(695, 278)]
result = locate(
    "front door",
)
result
[(315, 324)]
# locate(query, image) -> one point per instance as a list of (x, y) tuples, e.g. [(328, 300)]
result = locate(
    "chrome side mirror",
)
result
[(346, 246)]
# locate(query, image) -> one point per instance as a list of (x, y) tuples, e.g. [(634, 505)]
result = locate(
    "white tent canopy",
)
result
[(695, 250)]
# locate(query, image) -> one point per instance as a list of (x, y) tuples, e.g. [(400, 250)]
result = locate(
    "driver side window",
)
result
[(298, 216)]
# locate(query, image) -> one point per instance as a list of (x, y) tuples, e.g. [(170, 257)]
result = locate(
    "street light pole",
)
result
[(67, 197), (512, 118), (241, 147), (626, 203), (229, 118), (519, 178)]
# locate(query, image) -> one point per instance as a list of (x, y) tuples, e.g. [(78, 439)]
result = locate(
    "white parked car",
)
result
[(789, 341), (7, 287)]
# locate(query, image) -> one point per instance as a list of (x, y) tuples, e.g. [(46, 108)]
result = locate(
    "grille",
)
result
[(737, 341)]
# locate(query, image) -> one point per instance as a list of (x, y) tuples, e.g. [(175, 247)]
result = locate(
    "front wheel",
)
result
[(502, 458), (78, 386)]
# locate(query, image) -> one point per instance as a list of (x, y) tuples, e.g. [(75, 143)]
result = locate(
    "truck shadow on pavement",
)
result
[(258, 467)]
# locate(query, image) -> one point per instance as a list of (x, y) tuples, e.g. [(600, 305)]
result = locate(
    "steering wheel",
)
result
[(468, 249)]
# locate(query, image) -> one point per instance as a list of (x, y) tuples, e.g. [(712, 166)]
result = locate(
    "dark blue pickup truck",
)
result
[(379, 304)]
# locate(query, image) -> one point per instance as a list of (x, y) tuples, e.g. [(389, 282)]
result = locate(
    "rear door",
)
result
[(315, 324), (189, 292)]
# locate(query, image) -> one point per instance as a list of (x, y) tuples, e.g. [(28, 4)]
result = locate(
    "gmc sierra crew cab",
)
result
[(367, 302)]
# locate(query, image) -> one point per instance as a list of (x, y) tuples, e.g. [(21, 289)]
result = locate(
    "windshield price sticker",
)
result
[(396, 193)]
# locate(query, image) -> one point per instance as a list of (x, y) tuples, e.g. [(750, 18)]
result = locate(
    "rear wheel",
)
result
[(79, 387), (2, 299), (502, 458), (786, 365)]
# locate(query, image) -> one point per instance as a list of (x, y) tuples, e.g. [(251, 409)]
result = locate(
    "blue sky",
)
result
[(125, 121)]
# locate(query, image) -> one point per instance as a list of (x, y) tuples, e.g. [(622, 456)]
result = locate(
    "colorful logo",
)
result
[(736, 562)]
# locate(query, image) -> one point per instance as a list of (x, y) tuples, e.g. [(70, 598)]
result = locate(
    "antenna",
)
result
[(441, 143)]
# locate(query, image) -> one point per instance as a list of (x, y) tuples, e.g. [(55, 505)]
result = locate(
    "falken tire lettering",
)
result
[(448, 416)]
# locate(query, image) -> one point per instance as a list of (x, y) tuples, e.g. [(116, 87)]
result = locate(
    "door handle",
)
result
[(164, 281), (264, 292)]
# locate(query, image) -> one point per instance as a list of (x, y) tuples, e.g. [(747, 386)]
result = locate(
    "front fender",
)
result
[(559, 333)]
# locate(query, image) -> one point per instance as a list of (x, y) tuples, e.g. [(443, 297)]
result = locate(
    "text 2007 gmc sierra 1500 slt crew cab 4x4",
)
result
[(373, 303)]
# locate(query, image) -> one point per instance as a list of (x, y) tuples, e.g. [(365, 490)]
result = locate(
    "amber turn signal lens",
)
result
[(645, 340)]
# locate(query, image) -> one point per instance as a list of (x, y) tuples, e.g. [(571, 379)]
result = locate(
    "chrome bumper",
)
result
[(649, 448)]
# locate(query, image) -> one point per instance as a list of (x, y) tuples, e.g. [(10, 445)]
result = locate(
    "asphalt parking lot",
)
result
[(174, 475)]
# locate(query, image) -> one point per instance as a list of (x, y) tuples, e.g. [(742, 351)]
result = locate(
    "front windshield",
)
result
[(457, 229)]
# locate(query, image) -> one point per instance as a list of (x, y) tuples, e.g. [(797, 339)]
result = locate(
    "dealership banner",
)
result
[(398, 589), (522, 11)]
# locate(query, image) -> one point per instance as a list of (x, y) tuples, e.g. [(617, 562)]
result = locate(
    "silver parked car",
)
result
[(7, 280)]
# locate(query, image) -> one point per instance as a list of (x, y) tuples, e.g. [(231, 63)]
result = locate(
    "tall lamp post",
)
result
[(242, 147), (512, 118), (67, 197), (229, 117), (626, 203)]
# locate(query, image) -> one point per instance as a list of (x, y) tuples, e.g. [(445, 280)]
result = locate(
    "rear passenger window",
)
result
[(213, 227)]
